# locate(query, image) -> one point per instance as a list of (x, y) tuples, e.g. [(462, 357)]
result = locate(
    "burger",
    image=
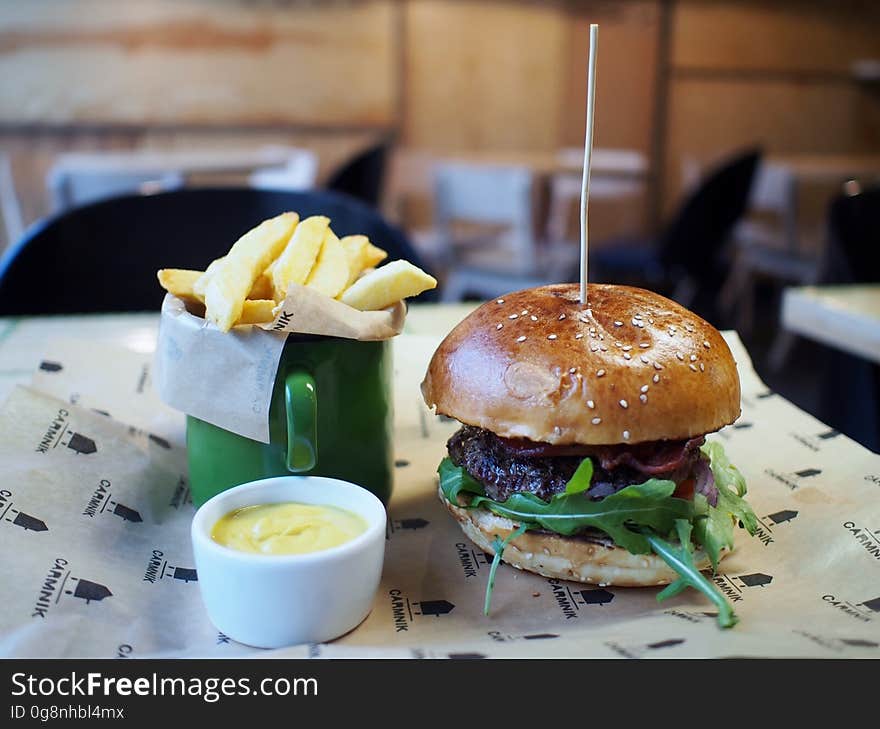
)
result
[(582, 453)]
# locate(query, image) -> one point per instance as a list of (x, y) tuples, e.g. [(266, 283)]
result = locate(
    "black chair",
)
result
[(686, 259), (850, 392), (104, 257), (363, 176)]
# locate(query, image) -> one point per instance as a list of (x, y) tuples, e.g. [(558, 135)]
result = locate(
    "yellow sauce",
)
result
[(287, 528)]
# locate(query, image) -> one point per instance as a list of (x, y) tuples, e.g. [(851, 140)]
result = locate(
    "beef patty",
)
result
[(505, 466)]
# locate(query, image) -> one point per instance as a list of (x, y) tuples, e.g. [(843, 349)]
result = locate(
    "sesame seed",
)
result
[(626, 435), (650, 320), (572, 370), (643, 398), (603, 347), (513, 316), (637, 316), (644, 359), (500, 301), (626, 355), (692, 367), (679, 356), (594, 348), (644, 345), (521, 339), (579, 335), (524, 312), (500, 326), (592, 330), (600, 373), (702, 367), (627, 348), (688, 327), (624, 404), (596, 421), (591, 404), (533, 317), (551, 336), (618, 344), (706, 344), (644, 388), (656, 378), (658, 366), (561, 317), (693, 358), (618, 323)]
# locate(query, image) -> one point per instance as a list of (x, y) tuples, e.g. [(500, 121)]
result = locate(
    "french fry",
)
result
[(256, 311), (386, 285), (330, 273), (236, 274), (180, 282), (296, 261), (262, 288), (202, 284), (361, 255)]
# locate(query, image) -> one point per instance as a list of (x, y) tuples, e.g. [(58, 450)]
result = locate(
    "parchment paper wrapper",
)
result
[(226, 378), (96, 557)]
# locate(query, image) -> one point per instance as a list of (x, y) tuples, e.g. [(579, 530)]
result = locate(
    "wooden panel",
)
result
[(484, 75), (625, 77), (811, 36), (712, 118), (197, 62)]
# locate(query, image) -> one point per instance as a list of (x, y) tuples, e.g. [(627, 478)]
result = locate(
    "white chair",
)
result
[(503, 254), (82, 177)]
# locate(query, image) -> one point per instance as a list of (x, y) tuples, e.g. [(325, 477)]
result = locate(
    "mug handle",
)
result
[(301, 404)]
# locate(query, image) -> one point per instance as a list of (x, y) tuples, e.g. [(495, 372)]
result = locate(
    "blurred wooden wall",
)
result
[(677, 79)]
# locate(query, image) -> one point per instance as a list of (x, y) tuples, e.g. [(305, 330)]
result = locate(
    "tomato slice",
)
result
[(685, 490)]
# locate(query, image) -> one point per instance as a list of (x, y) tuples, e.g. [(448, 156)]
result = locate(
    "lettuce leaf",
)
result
[(620, 515), (714, 526), (680, 558), (498, 546)]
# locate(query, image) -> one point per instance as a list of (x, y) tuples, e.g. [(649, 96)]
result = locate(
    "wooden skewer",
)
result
[(588, 154)]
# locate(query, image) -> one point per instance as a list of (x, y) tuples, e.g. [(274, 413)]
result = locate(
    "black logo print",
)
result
[(828, 434), (80, 443), (471, 560), (88, 590), (596, 597), (48, 366), (17, 517), (665, 644), (864, 611), (637, 651), (412, 524), (743, 426), (434, 607), (792, 480), (860, 643), (401, 463), (815, 441), (159, 569), (466, 656), (756, 579), (732, 586), (100, 503), (160, 441), (781, 517), (764, 532), (571, 602), (504, 638), (868, 539)]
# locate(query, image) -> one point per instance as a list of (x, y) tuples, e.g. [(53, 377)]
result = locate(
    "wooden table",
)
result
[(846, 317)]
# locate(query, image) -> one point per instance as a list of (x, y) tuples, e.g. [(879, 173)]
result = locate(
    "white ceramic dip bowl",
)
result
[(270, 601)]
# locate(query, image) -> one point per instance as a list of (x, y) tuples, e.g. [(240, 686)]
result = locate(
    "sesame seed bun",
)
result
[(595, 561), (633, 367)]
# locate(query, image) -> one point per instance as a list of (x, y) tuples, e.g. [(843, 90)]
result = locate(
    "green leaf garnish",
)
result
[(580, 480), (680, 558), (498, 545)]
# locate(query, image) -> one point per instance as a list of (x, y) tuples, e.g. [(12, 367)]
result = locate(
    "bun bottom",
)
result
[(581, 559)]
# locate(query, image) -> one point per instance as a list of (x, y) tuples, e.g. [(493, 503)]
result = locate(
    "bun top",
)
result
[(633, 367)]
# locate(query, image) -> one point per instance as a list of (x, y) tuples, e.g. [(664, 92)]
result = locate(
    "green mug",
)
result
[(331, 415)]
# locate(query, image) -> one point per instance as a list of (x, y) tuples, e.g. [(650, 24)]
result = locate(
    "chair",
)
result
[(501, 253), (686, 257), (363, 176), (103, 257), (78, 178)]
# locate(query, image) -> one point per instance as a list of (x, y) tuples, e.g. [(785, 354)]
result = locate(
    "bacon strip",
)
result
[(651, 458)]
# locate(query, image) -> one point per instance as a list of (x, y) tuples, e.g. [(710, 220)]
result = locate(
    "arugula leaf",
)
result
[(680, 559), (714, 525), (498, 546), (643, 505), (581, 478)]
